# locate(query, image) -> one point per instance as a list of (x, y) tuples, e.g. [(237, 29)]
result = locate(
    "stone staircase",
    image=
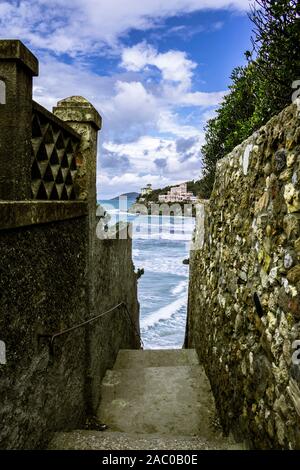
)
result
[(153, 400)]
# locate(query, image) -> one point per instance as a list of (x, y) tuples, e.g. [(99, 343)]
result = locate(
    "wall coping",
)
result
[(78, 109), (37, 107), (15, 50), (15, 214), (235, 152)]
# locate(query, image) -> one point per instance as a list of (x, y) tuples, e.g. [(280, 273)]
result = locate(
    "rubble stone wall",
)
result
[(248, 244)]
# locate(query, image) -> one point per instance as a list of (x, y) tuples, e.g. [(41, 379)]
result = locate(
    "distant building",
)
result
[(147, 190), (178, 194)]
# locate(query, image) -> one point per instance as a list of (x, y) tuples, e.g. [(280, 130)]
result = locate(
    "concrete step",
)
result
[(130, 358), (152, 400), (93, 440), (164, 400)]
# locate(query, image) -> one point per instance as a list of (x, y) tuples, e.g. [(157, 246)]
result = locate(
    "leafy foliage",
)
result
[(262, 88)]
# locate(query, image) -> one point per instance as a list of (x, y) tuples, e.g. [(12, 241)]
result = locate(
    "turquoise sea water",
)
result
[(160, 244)]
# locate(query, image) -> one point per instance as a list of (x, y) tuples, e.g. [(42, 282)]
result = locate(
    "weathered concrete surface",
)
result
[(17, 67), (114, 281), (15, 50), (173, 398), (169, 406), (129, 359), (83, 118), (42, 290), (14, 214), (164, 400), (249, 241)]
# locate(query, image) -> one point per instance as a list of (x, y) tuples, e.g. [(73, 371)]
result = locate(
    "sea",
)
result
[(160, 244)]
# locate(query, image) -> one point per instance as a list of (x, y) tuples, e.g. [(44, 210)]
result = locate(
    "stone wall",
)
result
[(248, 242), (114, 331), (44, 289)]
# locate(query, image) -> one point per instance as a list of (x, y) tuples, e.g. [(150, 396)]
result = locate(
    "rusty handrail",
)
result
[(52, 337)]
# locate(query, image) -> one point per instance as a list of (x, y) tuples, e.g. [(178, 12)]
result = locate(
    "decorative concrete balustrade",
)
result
[(41, 153), (54, 148)]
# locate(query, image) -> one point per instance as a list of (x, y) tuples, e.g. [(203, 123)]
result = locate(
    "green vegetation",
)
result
[(153, 196), (259, 90)]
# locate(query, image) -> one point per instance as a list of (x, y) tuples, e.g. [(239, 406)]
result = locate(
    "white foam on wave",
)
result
[(162, 232), (155, 264), (165, 222), (160, 345), (181, 287), (165, 226), (163, 236), (163, 313), (136, 252)]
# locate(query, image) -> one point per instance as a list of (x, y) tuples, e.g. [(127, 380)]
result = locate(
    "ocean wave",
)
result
[(163, 313), (161, 345), (136, 252), (162, 236), (181, 287), (160, 229), (162, 222), (164, 265)]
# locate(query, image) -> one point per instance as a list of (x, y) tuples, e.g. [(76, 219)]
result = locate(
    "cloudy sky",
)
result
[(154, 69)]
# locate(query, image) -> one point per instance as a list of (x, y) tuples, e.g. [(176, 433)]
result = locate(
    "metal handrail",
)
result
[(53, 336), (132, 324)]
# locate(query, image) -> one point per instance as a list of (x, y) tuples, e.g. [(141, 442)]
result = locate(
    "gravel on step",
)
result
[(91, 440)]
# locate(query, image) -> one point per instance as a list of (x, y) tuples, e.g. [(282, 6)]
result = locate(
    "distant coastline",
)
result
[(190, 210), (132, 195)]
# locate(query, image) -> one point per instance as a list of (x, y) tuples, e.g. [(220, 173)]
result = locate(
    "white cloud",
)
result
[(142, 152), (131, 108), (184, 97), (176, 71), (125, 105), (140, 132), (57, 80), (144, 132), (156, 160), (111, 187), (83, 26), (169, 123), (199, 98), (174, 65)]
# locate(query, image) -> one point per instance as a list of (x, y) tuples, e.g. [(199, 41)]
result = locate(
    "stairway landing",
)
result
[(153, 399)]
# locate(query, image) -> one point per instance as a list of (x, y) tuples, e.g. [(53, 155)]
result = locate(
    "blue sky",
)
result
[(154, 69)]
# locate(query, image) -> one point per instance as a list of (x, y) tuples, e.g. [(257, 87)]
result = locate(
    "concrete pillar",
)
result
[(86, 121), (17, 67)]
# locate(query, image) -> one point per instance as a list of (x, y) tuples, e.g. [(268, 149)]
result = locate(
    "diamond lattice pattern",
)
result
[(54, 163)]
